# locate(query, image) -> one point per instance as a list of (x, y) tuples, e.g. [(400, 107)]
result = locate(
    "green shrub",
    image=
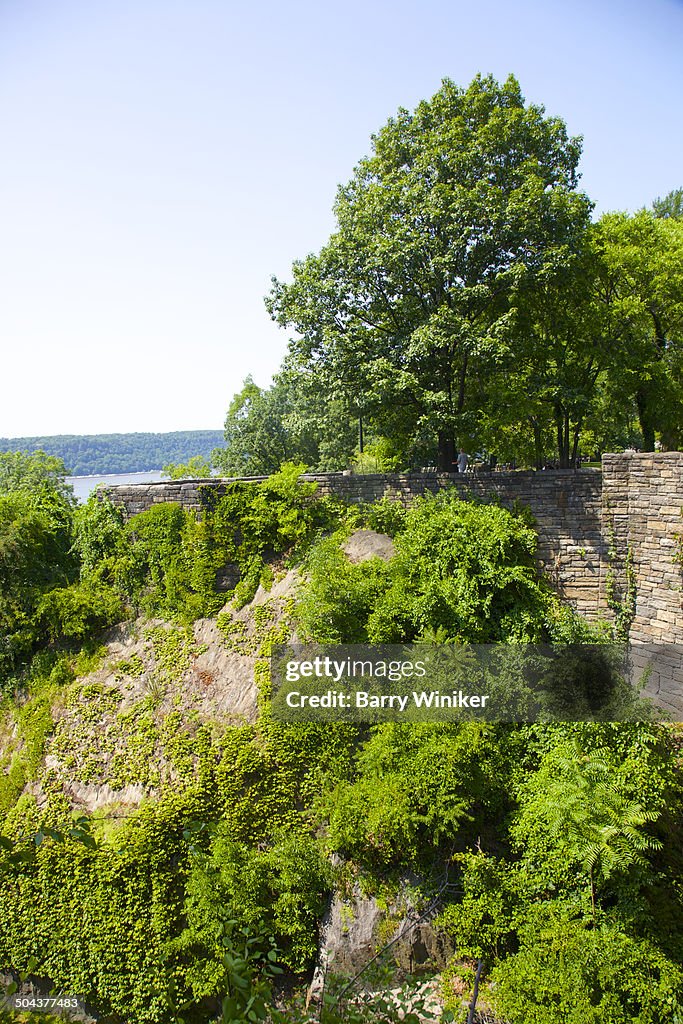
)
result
[(277, 889), (258, 521), (35, 557), (466, 568), (78, 612), (98, 533), (567, 973), (416, 788), (338, 598), (373, 820), (169, 564), (481, 922), (464, 571)]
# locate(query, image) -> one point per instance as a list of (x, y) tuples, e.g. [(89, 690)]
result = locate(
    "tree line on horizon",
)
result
[(467, 299), (102, 454)]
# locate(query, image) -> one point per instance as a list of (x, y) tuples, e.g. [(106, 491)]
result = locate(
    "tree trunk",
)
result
[(562, 425), (645, 419), (575, 446), (538, 443), (660, 338), (446, 456), (461, 384), (564, 461)]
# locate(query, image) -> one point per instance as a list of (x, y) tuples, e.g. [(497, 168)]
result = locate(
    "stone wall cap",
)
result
[(643, 456)]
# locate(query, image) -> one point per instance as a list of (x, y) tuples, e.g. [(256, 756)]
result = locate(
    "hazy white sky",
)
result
[(163, 159)]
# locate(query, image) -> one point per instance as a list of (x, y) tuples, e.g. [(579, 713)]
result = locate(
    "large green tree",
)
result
[(562, 345), (598, 344), (411, 303), (292, 421), (256, 439), (641, 291), (671, 205)]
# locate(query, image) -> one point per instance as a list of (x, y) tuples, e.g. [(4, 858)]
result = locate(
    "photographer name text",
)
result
[(397, 701)]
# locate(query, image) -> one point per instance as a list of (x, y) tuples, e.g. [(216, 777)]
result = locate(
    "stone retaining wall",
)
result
[(587, 522), (642, 497), (565, 504)]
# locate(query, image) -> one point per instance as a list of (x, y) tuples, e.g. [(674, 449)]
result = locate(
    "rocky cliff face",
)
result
[(126, 730)]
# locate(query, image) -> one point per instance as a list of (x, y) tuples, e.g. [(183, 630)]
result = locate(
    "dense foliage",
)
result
[(560, 842), (292, 421), (67, 571), (463, 203), (466, 299), (36, 532), (462, 571), (100, 454)]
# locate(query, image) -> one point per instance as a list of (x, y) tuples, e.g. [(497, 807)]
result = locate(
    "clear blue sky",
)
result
[(162, 159)]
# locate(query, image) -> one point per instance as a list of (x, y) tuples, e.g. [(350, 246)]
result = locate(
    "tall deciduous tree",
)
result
[(412, 301), (671, 205), (292, 421), (560, 350), (257, 441), (642, 295)]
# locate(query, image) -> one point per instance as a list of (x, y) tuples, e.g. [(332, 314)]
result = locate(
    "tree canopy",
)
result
[(641, 292), (412, 302), (291, 421), (37, 474), (671, 205), (466, 299)]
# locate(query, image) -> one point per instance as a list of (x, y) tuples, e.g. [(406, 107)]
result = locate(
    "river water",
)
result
[(84, 485)]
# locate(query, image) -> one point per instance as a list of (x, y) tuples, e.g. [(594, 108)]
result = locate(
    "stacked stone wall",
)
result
[(587, 523), (642, 497), (566, 506)]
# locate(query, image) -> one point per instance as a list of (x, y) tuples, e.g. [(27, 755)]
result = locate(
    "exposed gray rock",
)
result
[(355, 929), (365, 544)]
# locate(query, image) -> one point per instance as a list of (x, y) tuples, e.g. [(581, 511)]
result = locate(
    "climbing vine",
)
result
[(621, 595)]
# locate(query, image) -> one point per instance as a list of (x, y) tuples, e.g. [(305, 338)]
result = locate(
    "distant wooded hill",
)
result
[(92, 454)]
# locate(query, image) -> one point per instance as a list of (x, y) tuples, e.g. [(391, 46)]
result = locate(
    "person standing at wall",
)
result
[(463, 459)]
